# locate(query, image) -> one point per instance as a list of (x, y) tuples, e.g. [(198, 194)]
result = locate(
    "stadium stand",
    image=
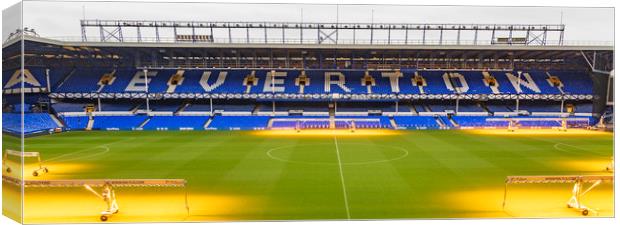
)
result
[(69, 107), (86, 80), (239, 122), (33, 123), (238, 94), (176, 123), (417, 122), (118, 122), (75, 122)]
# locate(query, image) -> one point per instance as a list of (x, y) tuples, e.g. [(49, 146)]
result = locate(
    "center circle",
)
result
[(325, 154)]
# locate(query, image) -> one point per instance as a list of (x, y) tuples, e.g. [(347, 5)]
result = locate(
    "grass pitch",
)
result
[(264, 175)]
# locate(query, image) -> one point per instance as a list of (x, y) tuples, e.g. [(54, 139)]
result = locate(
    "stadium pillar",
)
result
[(146, 88), (396, 107), (440, 35), (211, 105), (517, 105), (301, 28), (273, 77), (47, 79), (335, 107), (407, 35), (493, 35), (510, 36), (527, 36), (139, 34), (157, 34), (476, 36), (518, 92), (174, 29), (389, 34)]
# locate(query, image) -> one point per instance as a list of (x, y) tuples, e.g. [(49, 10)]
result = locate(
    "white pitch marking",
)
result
[(103, 146), (405, 153), (344, 188), (558, 144)]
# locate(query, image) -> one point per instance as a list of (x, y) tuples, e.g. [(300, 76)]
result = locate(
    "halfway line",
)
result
[(344, 188)]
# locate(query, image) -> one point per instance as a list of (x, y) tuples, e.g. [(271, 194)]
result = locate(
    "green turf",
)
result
[(400, 176)]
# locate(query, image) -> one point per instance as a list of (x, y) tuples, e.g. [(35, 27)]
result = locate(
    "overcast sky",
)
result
[(55, 19)]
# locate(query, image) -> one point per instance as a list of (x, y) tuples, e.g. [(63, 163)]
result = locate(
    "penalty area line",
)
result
[(344, 188)]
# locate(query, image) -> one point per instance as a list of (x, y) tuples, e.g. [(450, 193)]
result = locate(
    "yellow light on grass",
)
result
[(527, 201), (330, 133), (56, 170), (594, 166), (78, 205), (537, 132)]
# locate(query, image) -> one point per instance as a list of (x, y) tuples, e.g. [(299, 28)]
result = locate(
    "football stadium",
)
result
[(249, 121)]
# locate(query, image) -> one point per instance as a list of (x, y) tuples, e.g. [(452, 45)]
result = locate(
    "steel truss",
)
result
[(323, 33)]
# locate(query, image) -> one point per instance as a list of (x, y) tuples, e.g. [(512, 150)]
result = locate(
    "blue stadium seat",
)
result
[(85, 80), (239, 122), (75, 122), (176, 123), (118, 122), (68, 107), (33, 123), (416, 122)]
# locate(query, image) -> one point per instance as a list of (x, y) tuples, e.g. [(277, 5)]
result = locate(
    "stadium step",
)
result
[(412, 109), (66, 78), (270, 123), (427, 108), (100, 88), (56, 120), (393, 123), (135, 108), (145, 122), (182, 108), (559, 88), (484, 107), (256, 109), (440, 122), (454, 123), (206, 125)]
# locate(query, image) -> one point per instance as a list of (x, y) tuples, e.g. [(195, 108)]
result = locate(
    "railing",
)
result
[(339, 42)]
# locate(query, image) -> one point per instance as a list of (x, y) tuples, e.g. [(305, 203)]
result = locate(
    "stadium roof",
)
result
[(47, 48), (499, 47)]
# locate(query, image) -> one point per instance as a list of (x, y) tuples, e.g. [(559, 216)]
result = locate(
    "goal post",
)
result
[(23, 155)]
